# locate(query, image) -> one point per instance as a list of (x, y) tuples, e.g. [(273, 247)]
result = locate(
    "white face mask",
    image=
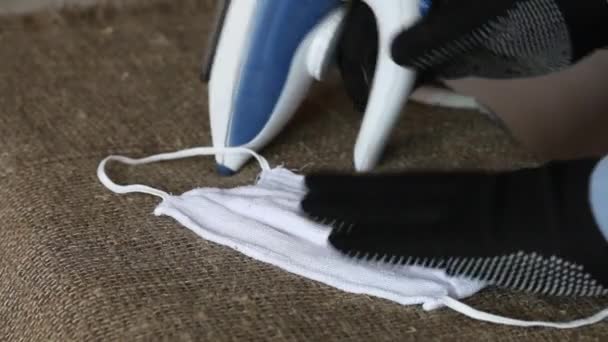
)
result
[(264, 221)]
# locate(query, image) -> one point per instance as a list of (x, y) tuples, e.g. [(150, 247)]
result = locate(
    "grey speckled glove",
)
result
[(503, 38)]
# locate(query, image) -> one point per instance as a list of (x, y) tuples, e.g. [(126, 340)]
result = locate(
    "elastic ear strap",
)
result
[(187, 153), (487, 317), (124, 189)]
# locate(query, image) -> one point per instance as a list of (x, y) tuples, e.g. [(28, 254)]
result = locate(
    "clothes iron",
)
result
[(266, 54)]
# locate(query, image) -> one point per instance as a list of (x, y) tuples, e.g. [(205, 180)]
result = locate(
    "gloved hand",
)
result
[(532, 229), (503, 38), (462, 38)]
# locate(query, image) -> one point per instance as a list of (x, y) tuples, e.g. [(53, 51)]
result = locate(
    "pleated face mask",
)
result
[(266, 221)]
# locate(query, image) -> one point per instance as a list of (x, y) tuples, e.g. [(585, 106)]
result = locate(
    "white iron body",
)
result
[(240, 115)]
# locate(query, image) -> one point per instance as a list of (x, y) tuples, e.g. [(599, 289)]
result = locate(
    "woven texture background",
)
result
[(80, 263)]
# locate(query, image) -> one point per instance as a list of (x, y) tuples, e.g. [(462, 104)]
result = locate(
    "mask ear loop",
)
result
[(187, 153), (491, 318)]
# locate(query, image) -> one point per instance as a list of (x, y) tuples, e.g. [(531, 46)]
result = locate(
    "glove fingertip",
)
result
[(411, 48), (403, 50)]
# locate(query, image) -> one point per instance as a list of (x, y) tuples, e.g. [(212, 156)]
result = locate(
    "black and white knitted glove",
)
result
[(531, 229), (503, 38)]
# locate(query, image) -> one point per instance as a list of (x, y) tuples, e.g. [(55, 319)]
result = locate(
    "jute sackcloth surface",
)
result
[(78, 263)]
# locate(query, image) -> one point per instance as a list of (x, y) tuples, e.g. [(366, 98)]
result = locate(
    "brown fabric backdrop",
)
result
[(78, 263)]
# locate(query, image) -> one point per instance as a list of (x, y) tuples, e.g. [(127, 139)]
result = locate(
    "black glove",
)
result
[(503, 38), (531, 229), (463, 38)]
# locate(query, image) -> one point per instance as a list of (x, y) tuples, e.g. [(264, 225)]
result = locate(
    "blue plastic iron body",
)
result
[(264, 63), (262, 52), (280, 26)]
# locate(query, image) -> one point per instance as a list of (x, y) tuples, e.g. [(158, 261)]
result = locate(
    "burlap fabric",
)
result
[(78, 263)]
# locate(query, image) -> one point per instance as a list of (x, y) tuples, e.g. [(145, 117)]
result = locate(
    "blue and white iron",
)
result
[(268, 53)]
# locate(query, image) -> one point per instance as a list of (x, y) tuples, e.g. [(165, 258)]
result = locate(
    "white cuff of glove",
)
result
[(599, 195)]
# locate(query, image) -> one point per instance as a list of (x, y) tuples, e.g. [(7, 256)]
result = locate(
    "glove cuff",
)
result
[(599, 195)]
